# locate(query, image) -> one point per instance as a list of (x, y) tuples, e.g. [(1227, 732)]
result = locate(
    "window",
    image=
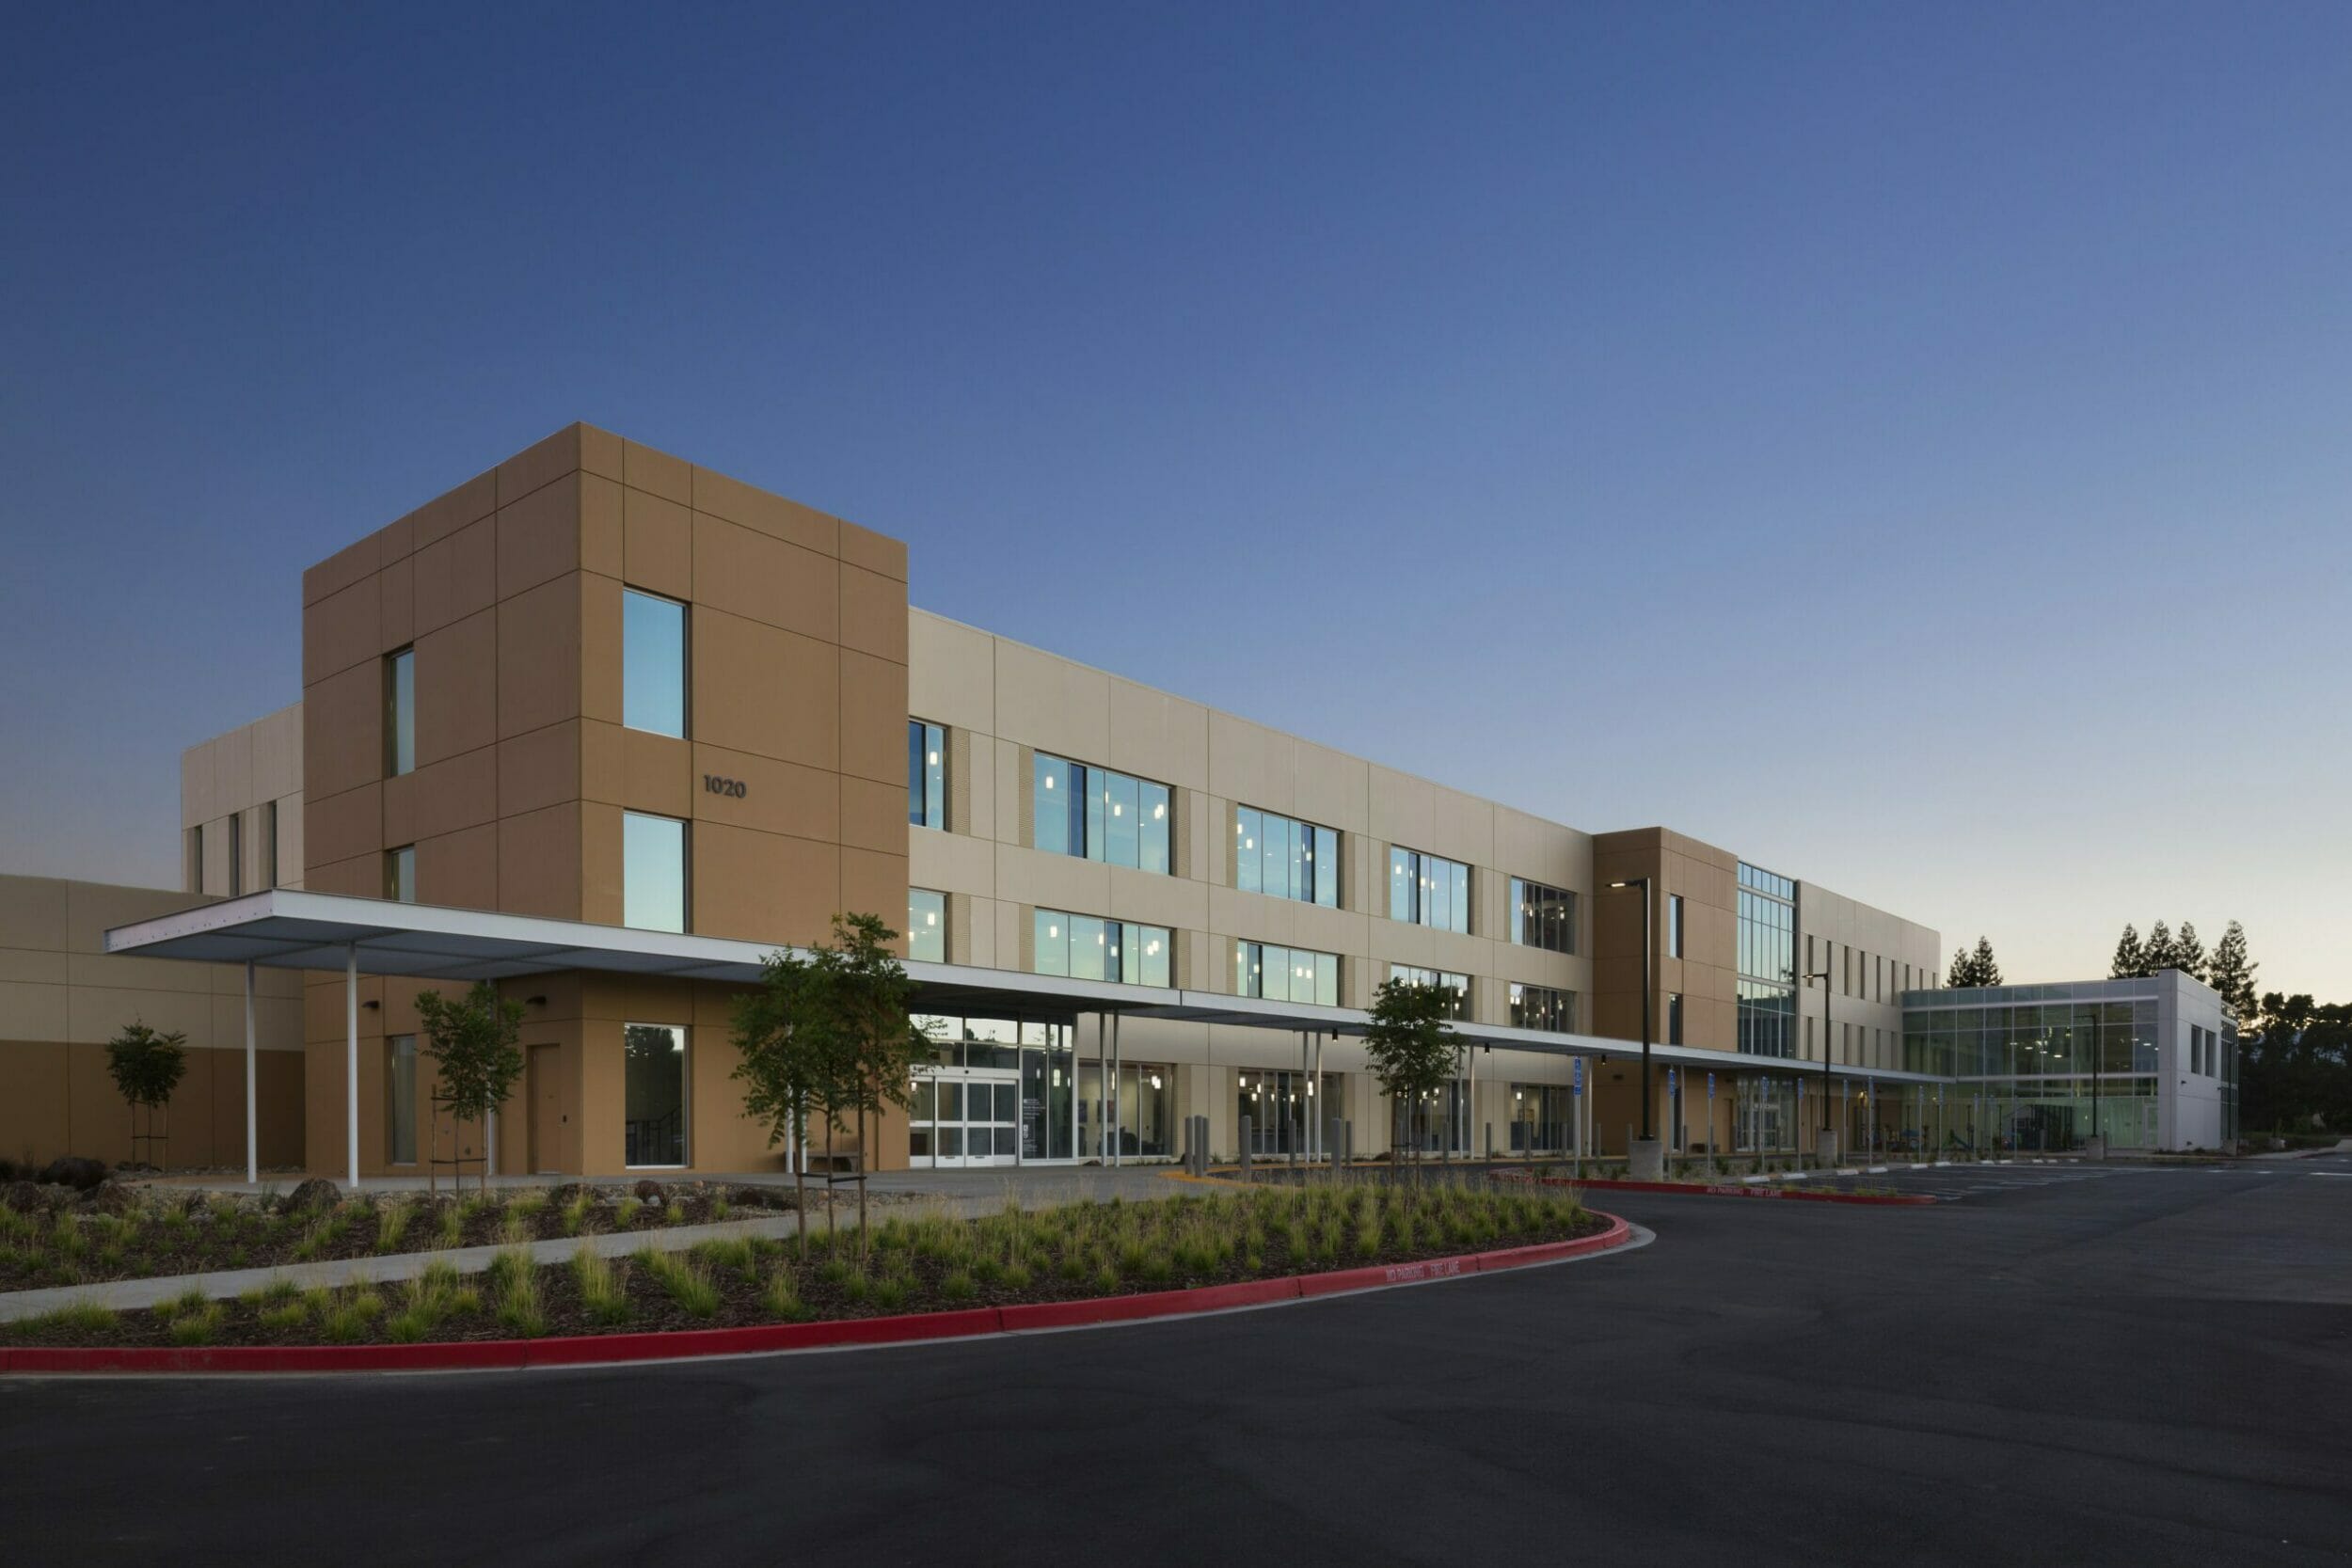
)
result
[(400, 875), (400, 1100), (1766, 959), (1424, 890), (1087, 948), (927, 925), (236, 854), (399, 713), (1542, 1007), (1674, 1017), (1674, 924), (653, 1107), (194, 879), (1286, 973), (653, 663), (1456, 986), (1285, 859), (926, 774), (1097, 815), (269, 848), (1542, 916), (653, 872)]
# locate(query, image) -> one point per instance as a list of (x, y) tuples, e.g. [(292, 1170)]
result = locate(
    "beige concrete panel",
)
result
[(771, 692), (1040, 878), (538, 536), (456, 576), (1158, 736), (539, 662), (873, 615), (951, 863), (95, 1014), (1404, 809), (126, 973), (772, 515), (277, 1023), (541, 768), (33, 1012), (600, 772), (657, 473), (873, 718), (353, 564), (196, 785), (600, 648), (1250, 765), (778, 796), (342, 629), (456, 689), (460, 792), (873, 883), (1541, 851), (874, 816), (232, 773), (1463, 827), (1009, 924), (1251, 917), (539, 861), (290, 842), (657, 545), (343, 827), (873, 552), (765, 887), (1052, 703), (396, 589), (657, 774), (539, 466), (35, 966), (1324, 931), (600, 848), (33, 911), (951, 672), (460, 870), (1331, 788), (600, 529), (1015, 775), (1157, 900), (746, 573)]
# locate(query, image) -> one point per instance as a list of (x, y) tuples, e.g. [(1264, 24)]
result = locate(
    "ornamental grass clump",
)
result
[(687, 1282), (603, 1287), (392, 1224)]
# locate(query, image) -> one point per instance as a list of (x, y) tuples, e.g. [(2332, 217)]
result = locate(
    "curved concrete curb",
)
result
[(1741, 1189), (604, 1348)]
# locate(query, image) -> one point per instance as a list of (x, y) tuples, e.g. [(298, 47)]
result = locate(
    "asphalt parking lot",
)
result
[(2141, 1367)]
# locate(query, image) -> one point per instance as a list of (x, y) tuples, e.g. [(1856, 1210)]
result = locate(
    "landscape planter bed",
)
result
[(663, 1331)]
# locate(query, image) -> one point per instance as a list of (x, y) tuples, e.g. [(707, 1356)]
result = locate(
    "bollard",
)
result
[(1334, 1142), (1201, 1143), (1245, 1124)]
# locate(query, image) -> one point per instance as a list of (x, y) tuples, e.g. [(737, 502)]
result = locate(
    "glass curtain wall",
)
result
[(2039, 1068), (1542, 1007), (1142, 1118), (1542, 1118), (1279, 1105), (1542, 916), (982, 1067), (1767, 964)]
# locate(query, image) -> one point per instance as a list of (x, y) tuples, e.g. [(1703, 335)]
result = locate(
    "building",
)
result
[(2145, 1064), (605, 725)]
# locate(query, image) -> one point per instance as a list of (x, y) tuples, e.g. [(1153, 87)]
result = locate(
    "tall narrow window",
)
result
[(269, 848), (194, 878), (399, 713), (236, 854), (926, 774), (1674, 1017), (400, 874), (653, 1095), (653, 872), (653, 663), (927, 925), (1673, 925), (400, 1100)]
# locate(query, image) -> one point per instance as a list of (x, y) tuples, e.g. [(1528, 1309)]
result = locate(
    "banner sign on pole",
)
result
[(1576, 1085), (1710, 1085)]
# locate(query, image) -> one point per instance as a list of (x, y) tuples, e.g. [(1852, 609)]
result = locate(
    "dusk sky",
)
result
[(1908, 445)]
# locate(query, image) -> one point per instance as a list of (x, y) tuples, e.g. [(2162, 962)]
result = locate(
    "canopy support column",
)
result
[(351, 1059), (252, 1118)]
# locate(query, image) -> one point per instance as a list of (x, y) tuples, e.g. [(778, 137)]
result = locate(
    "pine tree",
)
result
[(2188, 954), (2232, 974), (2156, 956), (1988, 972), (2130, 958), (1957, 978)]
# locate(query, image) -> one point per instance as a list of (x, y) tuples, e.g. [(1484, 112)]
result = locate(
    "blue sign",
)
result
[(1670, 1080), (1710, 1085)]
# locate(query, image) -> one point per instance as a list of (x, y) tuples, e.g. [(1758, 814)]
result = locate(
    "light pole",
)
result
[(1824, 977), (1644, 1160)]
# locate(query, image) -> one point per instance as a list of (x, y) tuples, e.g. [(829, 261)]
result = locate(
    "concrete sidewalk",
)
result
[(964, 1194)]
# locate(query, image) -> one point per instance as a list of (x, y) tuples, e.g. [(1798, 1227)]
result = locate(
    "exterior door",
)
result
[(964, 1116), (547, 1108)]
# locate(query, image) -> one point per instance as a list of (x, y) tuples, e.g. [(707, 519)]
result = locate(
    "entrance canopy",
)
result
[(286, 928)]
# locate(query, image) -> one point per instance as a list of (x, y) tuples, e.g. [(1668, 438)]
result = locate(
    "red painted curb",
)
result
[(1737, 1189), (605, 1349)]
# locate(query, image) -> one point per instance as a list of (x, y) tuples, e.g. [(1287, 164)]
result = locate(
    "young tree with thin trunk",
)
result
[(785, 1058), (473, 1045), (146, 1067), (1409, 1046), (871, 999)]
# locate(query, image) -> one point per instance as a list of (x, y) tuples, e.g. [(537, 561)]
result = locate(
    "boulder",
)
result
[(107, 1198), (25, 1198), (650, 1191), (570, 1193), (72, 1170), (315, 1192)]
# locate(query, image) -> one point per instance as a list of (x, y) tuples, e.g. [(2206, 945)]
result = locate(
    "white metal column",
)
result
[(253, 1119), (351, 1059)]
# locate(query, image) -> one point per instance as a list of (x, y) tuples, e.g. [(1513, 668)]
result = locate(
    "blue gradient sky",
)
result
[(1908, 445)]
